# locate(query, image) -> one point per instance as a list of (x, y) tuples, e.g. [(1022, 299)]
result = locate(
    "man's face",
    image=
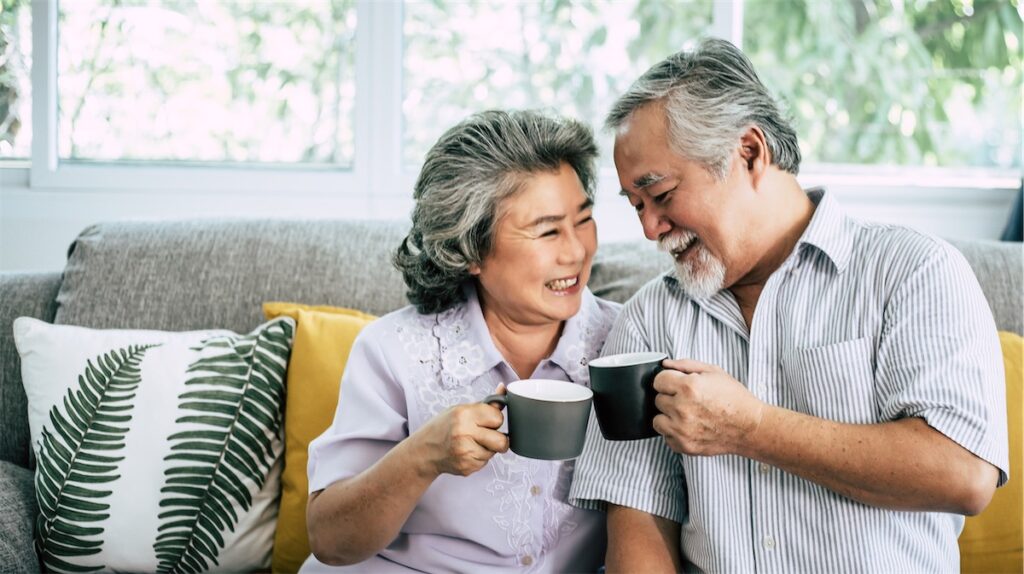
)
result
[(693, 216)]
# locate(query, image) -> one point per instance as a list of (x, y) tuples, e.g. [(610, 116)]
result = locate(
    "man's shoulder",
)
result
[(898, 245), (654, 296)]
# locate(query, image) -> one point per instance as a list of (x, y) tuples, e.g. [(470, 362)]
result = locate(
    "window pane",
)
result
[(15, 85), (574, 58), (886, 82), (220, 81)]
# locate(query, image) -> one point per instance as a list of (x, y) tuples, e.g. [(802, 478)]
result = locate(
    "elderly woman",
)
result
[(414, 474)]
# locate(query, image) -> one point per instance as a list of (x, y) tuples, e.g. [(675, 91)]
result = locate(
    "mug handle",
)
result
[(500, 399)]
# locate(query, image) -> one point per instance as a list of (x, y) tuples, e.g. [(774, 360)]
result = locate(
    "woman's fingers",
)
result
[(492, 440)]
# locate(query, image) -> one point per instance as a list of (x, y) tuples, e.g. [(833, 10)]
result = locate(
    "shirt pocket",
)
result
[(834, 382)]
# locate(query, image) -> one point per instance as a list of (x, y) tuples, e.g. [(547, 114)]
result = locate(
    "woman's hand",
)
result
[(462, 439)]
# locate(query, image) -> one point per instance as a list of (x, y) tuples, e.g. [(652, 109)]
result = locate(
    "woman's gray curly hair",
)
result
[(476, 165)]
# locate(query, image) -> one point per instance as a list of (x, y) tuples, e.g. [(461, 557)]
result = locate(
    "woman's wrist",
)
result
[(415, 456)]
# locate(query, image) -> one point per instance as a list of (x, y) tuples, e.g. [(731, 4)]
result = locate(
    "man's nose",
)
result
[(655, 223)]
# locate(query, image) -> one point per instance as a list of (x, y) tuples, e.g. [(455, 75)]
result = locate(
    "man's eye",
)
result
[(639, 207), (549, 233), (585, 220)]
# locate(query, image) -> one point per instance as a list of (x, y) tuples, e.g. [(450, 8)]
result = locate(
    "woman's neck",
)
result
[(523, 346)]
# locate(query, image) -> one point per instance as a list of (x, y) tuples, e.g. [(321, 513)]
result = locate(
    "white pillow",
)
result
[(167, 454)]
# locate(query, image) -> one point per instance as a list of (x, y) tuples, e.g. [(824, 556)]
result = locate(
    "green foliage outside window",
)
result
[(877, 82), (890, 82)]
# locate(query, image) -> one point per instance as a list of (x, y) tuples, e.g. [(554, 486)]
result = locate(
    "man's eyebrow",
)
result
[(587, 204), (647, 180)]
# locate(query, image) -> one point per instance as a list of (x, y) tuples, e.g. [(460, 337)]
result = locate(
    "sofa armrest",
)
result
[(21, 295), (18, 511)]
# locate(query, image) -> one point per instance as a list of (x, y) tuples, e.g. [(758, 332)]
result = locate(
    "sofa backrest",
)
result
[(217, 273), (201, 274)]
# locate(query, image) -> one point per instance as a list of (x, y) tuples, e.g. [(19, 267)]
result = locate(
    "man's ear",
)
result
[(754, 153)]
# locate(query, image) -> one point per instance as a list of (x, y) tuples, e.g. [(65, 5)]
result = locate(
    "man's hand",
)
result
[(704, 411)]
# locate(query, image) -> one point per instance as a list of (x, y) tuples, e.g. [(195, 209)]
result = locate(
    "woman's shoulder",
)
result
[(603, 310), (403, 320)]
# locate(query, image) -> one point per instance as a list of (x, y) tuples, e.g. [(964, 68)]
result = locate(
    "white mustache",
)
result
[(677, 241)]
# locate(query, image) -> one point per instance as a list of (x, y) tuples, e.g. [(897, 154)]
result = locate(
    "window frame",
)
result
[(377, 169)]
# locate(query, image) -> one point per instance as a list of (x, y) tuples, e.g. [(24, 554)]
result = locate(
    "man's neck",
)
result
[(786, 224)]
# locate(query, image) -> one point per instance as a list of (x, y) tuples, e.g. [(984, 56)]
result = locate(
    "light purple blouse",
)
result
[(512, 515)]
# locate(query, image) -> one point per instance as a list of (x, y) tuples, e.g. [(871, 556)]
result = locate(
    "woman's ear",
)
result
[(755, 154), (474, 269)]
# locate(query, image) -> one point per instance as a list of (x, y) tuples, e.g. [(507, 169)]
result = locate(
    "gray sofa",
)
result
[(216, 274)]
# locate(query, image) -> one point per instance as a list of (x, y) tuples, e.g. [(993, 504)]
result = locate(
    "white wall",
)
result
[(37, 225)]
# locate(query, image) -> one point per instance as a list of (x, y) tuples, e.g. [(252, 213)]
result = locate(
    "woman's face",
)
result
[(541, 253)]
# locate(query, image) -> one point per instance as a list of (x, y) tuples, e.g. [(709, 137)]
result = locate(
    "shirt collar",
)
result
[(830, 230), (578, 337), (468, 351)]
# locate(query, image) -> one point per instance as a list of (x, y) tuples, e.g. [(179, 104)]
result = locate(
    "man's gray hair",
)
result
[(477, 164), (712, 95)]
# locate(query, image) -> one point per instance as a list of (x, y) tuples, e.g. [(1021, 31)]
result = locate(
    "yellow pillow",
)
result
[(323, 339), (993, 541)]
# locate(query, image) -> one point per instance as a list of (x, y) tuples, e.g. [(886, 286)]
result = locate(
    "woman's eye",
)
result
[(638, 207)]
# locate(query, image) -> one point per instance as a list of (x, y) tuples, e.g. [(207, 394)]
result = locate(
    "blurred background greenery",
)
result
[(877, 82)]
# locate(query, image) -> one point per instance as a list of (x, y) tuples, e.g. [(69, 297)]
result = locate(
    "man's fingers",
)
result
[(660, 424), (688, 366), (667, 381), (663, 402)]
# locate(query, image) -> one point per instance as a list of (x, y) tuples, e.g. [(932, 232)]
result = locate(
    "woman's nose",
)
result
[(574, 251)]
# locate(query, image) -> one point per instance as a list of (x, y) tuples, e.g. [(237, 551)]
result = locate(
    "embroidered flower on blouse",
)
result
[(461, 363)]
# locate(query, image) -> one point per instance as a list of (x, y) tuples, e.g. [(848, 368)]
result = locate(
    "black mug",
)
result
[(624, 394), (547, 419)]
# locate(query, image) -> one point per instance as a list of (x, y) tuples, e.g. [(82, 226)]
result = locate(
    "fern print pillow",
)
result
[(156, 451)]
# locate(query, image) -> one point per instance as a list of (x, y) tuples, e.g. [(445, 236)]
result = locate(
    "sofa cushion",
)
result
[(196, 274), (999, 267), (323, 339), (17, 513), (155, 450), (993, 541), (21, 295)]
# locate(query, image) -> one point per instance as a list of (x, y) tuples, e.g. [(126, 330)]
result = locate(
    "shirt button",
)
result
[(535, 490), (764, 468), (768, 542), (527, 560)]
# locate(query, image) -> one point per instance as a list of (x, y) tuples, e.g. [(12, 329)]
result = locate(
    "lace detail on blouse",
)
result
[(532, 494)]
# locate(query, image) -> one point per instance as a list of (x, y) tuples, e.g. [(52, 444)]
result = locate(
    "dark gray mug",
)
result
[(624, 394), (547, 419)]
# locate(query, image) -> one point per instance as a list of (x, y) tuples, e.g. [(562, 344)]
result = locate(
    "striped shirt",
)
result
[(863, 323)]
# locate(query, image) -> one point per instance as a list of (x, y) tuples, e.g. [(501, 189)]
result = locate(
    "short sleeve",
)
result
[(939, 358), (641, 474), (371, 417)]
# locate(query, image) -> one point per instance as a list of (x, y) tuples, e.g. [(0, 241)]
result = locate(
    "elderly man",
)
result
[(834, 398)]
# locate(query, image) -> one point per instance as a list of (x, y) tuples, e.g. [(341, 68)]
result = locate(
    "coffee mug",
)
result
[(547, 419), (624, 394)]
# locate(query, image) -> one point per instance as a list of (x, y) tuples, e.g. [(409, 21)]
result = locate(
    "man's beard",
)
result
[(701, 274)]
